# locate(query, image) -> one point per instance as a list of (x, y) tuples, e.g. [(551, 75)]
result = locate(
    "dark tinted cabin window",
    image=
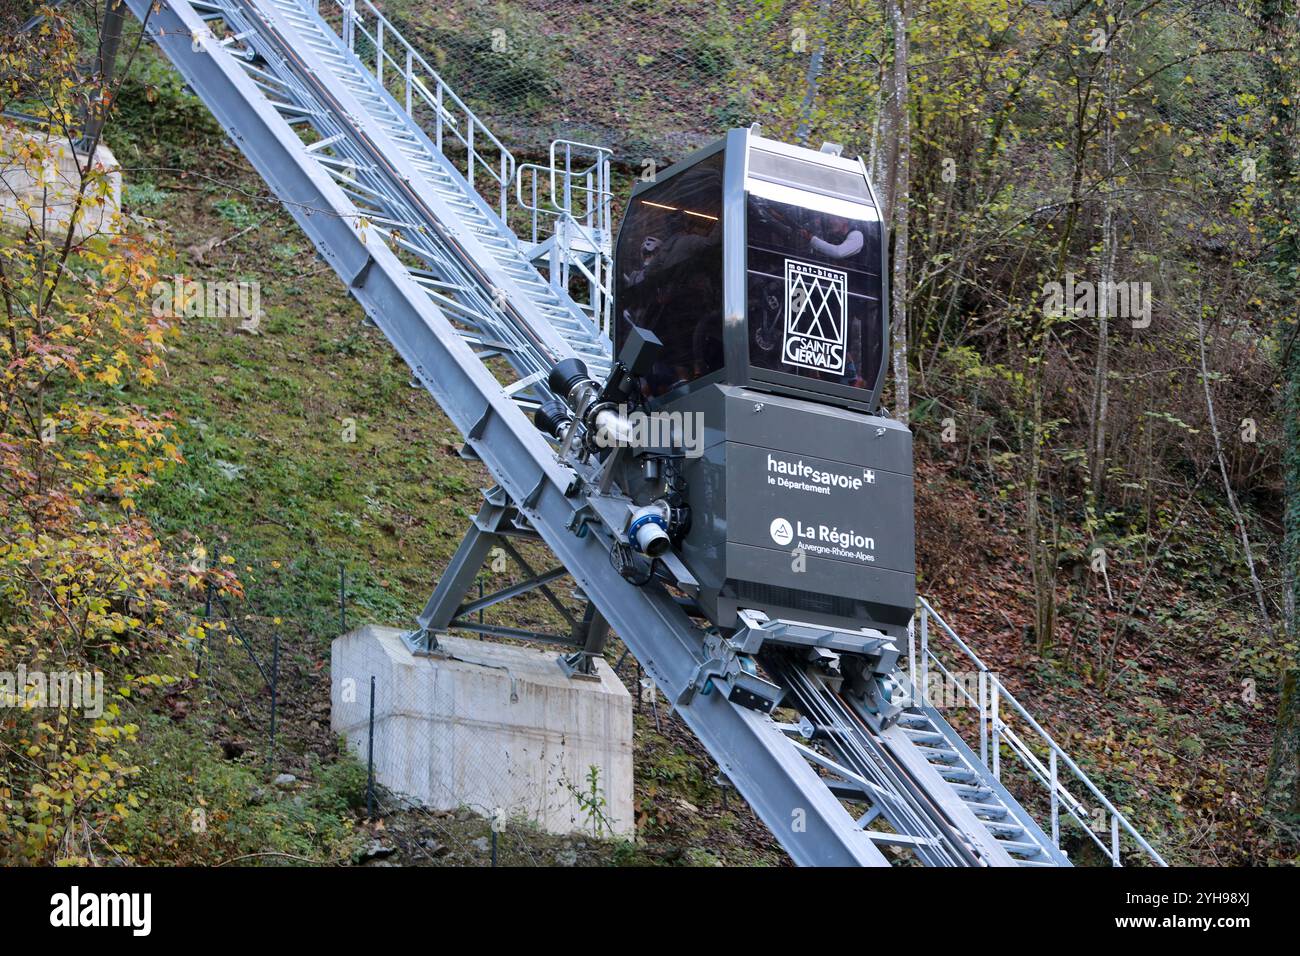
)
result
[(814, 291), (669, 263)]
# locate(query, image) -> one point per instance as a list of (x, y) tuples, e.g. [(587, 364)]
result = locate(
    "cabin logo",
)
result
[(781, 531), (816, 317)]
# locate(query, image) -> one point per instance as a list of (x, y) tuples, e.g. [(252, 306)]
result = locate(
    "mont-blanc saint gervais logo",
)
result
[(816, 317)]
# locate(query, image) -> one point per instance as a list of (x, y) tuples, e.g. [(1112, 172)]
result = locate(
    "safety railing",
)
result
[(571, 227), (1027, 742), (427, 99), (582, 192)]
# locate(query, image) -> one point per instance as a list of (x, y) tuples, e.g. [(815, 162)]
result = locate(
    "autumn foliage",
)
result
[(85, 585)]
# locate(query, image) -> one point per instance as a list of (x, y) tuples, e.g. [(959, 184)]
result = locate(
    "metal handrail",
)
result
[(994, 730), (420, 82), (581, 239), (596, 237), (582, 245), (534, 209), (596, 176)]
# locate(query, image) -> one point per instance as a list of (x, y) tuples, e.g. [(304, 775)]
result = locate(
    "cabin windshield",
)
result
[(669, 278), (814, 286)]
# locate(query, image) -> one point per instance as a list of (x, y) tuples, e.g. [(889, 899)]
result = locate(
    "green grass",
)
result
[(199, 807)]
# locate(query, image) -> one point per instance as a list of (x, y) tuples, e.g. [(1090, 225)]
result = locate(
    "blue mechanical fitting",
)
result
[(648, 531)]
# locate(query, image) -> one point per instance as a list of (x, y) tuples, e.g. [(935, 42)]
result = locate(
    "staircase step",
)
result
[(924, 736), (937, 756), (956, 773), (1020, 849), (1004, 828)]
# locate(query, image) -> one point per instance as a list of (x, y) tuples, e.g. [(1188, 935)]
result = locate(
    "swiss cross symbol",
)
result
[(870, 477)]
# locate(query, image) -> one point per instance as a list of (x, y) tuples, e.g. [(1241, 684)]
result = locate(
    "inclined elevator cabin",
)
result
[(760, 267)]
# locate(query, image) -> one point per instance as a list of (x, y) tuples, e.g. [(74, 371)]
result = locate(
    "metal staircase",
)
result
[(407, 196)]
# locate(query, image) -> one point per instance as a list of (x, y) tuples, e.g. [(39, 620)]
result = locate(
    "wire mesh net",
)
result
[(621, 74)]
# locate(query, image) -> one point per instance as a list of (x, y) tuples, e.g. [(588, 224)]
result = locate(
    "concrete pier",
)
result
[(492, 727), (43, 195)]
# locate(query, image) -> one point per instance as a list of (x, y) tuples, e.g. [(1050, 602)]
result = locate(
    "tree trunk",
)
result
[(1042, 557), (1282, 789), (902, 173), (1100, 383), (1223, 471), (813, 77), (1278, 24)]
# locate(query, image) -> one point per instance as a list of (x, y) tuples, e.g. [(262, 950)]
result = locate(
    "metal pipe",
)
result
[(924, 689), (1056, 806), (997, 732), (984, 724)]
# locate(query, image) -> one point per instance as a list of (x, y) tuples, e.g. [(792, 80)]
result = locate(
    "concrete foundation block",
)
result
[(491, 727), (40, 178)]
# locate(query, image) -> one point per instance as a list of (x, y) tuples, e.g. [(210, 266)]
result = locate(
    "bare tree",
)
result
[(1223, 470), (898, 14)]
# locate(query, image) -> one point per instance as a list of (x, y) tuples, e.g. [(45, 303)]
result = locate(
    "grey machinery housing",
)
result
[(750, 293)]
